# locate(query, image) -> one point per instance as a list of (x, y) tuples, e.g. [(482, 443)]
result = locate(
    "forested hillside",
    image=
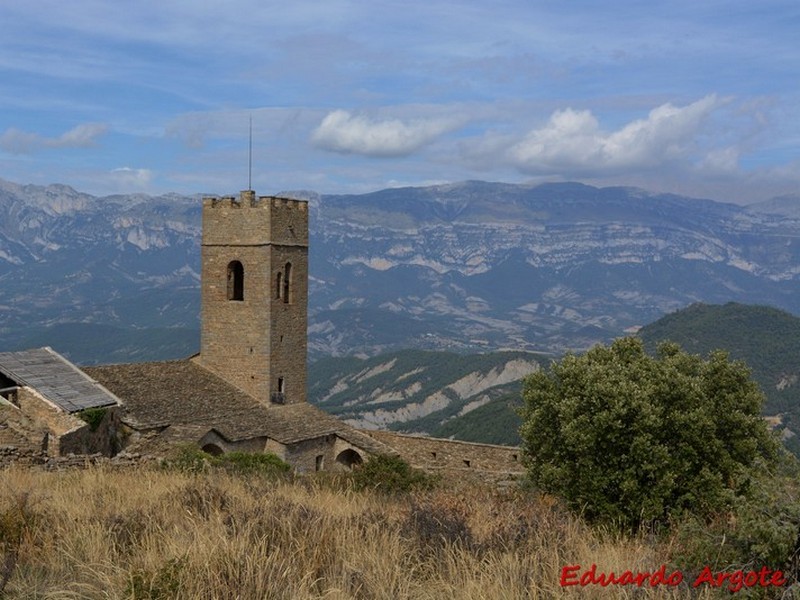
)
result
[(766, 338), (469, 397)]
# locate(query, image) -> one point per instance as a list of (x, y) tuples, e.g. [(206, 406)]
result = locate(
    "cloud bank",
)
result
[(17, 141), (573, 141), (343, 132)]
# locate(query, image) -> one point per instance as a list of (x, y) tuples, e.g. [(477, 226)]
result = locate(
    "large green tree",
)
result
[(626, 437)]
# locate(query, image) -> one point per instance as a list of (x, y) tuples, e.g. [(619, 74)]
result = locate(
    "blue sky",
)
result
[(699, 98)]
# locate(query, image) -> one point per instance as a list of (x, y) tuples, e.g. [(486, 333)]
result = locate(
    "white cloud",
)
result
[(126, 177), (16, 141), (574, 141), (342, 132), (80, 136), (721, 161)]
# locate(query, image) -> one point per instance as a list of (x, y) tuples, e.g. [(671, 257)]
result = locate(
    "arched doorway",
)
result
[(212, 449), (349, 458)]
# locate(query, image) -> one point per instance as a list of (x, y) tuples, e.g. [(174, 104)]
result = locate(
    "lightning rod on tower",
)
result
[(250, 158)]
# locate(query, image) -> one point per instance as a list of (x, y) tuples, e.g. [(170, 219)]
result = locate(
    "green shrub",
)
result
[(761, 529), (626, 438), (93, 416), (390, 474), (188, 458), (248, 463)]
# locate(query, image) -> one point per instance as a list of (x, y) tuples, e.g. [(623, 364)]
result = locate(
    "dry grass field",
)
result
[(156, 534)]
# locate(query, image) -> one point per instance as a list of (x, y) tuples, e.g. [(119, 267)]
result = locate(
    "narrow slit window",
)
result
[(235, 281), (287, 278), (279, 397)]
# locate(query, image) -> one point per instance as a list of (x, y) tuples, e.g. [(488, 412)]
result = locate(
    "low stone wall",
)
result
[(11, 455), (433, 454), (482, 462), (23, 456)]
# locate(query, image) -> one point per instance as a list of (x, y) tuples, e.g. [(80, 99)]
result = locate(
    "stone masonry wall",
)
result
[(289, 324), (44, 414), (254, 445), (68, 434), (104, 440), (234, 338), (432, 454), (254, 341), (303, 455)]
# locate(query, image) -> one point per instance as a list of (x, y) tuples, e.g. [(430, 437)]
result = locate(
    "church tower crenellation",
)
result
[(255, 294)]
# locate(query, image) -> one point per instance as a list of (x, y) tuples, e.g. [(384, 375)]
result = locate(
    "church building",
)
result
[(245, 390)]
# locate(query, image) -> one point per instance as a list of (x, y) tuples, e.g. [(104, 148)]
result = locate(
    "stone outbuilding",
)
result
[(48, 404)]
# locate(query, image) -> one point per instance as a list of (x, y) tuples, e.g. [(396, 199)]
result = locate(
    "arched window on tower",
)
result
[(235, 280), (287, 279)]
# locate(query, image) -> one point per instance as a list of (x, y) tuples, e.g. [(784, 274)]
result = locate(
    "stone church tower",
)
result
[(255, 295)]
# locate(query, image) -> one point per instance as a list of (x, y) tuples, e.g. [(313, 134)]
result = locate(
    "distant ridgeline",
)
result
[(766, 338), (468, 267)]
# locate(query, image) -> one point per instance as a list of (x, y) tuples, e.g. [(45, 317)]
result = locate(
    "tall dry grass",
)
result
[(148, 533)]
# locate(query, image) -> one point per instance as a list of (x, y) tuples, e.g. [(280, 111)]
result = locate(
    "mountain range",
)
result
[(466, 267)]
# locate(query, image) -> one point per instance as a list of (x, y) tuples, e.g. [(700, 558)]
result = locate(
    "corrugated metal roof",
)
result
[(55, 378)]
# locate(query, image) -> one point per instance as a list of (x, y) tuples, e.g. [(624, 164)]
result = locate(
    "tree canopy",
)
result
[(626, 437)]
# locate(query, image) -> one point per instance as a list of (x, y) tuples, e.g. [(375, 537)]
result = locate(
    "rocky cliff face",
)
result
[(542, 268), (131, 261), (471, 266)]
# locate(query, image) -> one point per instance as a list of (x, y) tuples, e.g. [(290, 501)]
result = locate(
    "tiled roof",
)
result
[(184, 393), (55, 378), (164, 393)]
